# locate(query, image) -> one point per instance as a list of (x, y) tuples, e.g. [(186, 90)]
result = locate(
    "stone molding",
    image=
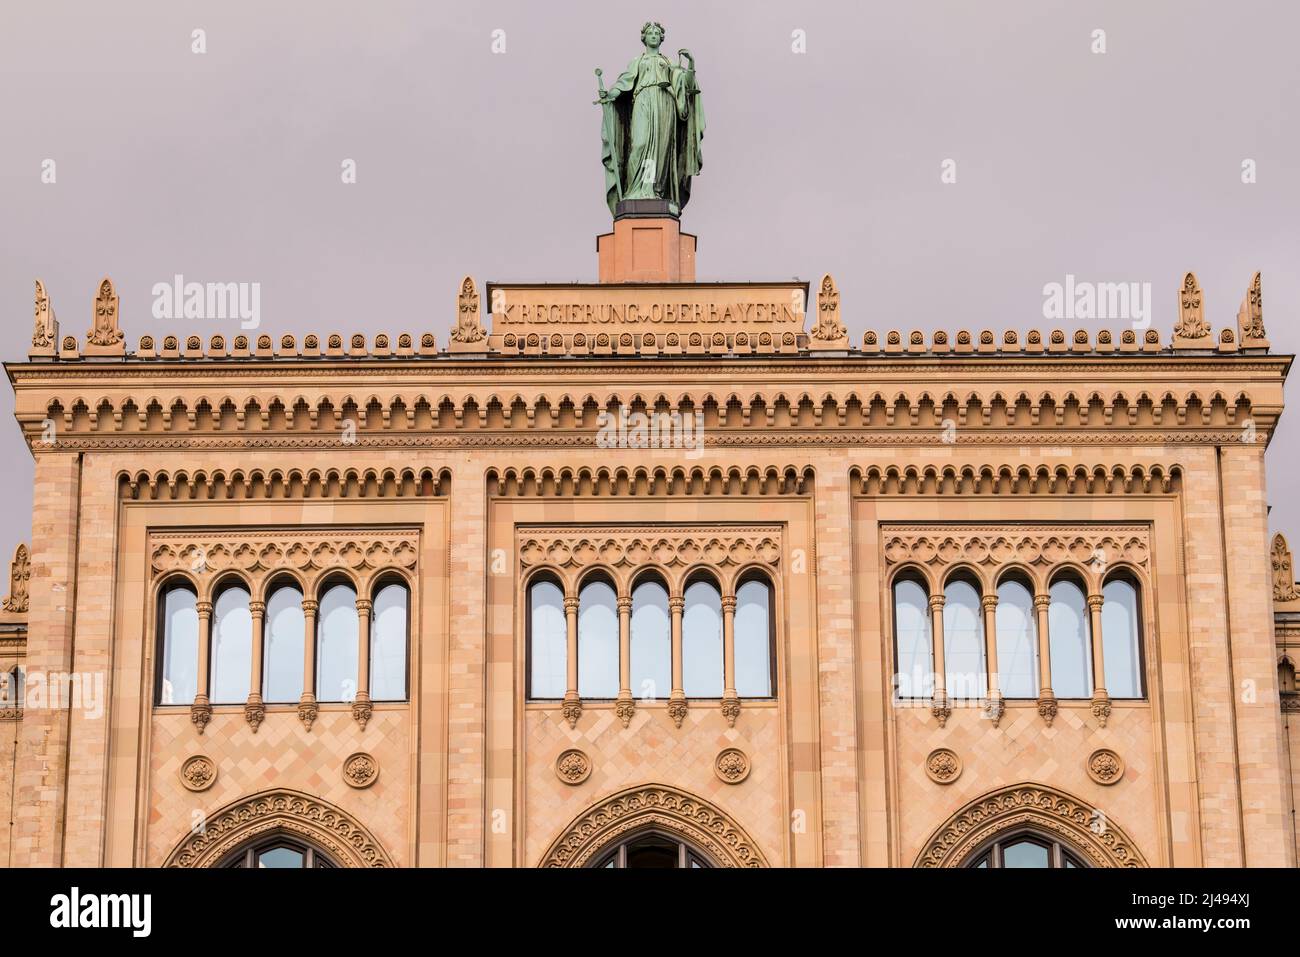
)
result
[(1035, 807), (335, 831), (656, 806), (256, 556)]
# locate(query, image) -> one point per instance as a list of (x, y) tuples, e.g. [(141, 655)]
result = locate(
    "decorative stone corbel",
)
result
[(1047, 707), (254, 711), (625, 708), (571, 708), (45, 334), (105, 337), (362, 711), (1101, 707), (308, 712), (200, 712), (941, 708), (1192, 331), (1250, 318), (468, 335), (731, 708), (677, 708), (828, 332), (995, 707)]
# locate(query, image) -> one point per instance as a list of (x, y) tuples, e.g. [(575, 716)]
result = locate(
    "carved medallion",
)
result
[(731, 765), (943, 766), (198, 772), (1105, 766), (573, 766), (360, 770)]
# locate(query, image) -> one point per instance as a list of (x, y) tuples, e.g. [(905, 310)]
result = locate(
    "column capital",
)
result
[(571, 604), (364, 605), (625, 603), (728, 602), (257, 608), (1095, 602), (204, 608), (310, 606), (989, 602), (1042, 602), (676, 603), (936, 602)]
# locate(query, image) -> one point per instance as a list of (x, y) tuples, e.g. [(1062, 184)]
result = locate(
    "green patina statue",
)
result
[(653, 122)]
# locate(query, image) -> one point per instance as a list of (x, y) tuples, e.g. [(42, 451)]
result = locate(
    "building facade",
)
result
[(651, 572)]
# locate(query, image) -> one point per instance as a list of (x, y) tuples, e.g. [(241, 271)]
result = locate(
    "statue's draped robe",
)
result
[(651, 133)]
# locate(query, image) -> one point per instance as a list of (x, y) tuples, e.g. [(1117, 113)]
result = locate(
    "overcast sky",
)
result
[(1123, 166)]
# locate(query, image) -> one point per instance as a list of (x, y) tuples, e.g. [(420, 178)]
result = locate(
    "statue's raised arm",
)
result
[(652, 126)]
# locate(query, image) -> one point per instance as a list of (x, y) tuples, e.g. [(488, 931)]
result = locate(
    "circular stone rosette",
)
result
[(360, 770), (943, 766), (573, 766), (1105, 766), (731, 765), (198, 772)]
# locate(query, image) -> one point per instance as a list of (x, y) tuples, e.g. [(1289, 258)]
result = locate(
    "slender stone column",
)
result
[(1100, 699), (254, 709), (307, 708), (730, 699), (940, 707), (677, 700), (201, 709), (995, 707), (361, 709), (1046, 698), (625, 707), (572, 707)]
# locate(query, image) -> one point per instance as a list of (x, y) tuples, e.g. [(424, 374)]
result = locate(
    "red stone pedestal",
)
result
[(646, 248)]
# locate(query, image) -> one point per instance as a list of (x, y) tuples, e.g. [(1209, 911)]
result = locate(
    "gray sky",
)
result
[(225, 167)]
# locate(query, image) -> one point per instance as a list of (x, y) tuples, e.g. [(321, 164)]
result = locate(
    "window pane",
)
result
[(1070, 646), (1120, 638), (1026, 854), (963, 642), (914, 645), (1017, 642), (232, 647), (753, 627), (652, 673), (388, 645), (702, 642), (180, 657), (548, 634), (597, 642), (337, 643), (280, 857), (283, 654)]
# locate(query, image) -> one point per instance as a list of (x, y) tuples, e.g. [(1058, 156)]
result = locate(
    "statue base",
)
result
[(647, 245)]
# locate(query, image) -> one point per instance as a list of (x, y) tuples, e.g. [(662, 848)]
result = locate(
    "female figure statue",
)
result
[(653, 122)]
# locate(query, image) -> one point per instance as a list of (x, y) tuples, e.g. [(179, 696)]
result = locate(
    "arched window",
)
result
[(963, 641), (548, 641), (282, 654), (652, 644), (1026, 851), (753, 637), (1070, 642), (337, 643), (280, 853), (597, 641), (178, 669), (653, 850), (232, 646), (702, 641), (1121, 639), (388, 644), (1017, 641), (913, 640)]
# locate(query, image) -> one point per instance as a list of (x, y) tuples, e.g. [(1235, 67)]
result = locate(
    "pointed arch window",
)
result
[(754, 631), (1121, 637), (963, 641)]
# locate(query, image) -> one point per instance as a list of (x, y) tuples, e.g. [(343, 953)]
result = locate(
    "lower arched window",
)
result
[(913, 641), (597, 641), (1017, 641), (753, 637), (1121, 639), (653, 850), (1070, 643), (282, 654), (388, 644), (702, 641), (547, 641), (178, 660), (279, 853), (337, 645), (963, 641), (651, 642), (1026, 851), (232, 646)]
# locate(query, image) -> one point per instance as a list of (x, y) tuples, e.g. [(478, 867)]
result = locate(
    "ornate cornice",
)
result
[(1035, 807), (280, 811), (659, 806)]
